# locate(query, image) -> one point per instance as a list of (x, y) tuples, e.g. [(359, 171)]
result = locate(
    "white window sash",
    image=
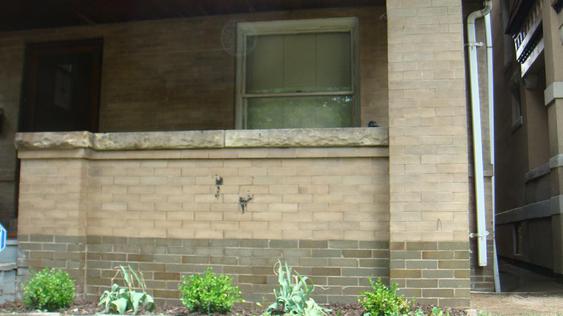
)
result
[(245, 29)]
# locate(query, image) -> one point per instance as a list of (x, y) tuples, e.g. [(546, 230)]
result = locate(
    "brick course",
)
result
[(341, 268), (434, 272), (308, 198)]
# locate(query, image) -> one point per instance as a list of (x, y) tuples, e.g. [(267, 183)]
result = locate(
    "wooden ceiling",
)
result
[(30, 14)]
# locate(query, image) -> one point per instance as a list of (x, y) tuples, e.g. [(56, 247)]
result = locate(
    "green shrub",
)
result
[(384, 301), (293, 296), (49, 289), (208, 292), (122, 299)]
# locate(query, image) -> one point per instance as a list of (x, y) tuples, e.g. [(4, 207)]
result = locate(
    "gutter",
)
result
[(478, 164)]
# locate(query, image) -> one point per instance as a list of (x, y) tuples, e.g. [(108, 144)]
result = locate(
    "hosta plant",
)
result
[(294, 295), (49, 289), (131, 297), (208, 292)]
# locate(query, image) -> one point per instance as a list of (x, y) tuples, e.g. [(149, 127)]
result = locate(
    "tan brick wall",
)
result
[(179, 74), (294, 198), (327, 215), (427, 121), (435, 273), (428, 162), (340, 268), (53, 197), (174, 74)]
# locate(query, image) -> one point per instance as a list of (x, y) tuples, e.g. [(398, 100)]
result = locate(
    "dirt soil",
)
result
[(518, 304), (89, 308)]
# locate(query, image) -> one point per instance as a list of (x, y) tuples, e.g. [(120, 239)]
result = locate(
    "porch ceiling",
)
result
[(30, 14)]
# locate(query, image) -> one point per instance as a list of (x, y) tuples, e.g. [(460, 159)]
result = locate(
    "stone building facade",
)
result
[(528, 79)]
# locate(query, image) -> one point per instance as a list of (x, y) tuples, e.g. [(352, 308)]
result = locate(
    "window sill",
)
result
[(272, 138)]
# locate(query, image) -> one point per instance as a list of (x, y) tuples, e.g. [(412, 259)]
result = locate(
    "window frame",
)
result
[(324, 25)]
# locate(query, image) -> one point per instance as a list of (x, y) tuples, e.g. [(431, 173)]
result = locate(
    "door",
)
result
[(61, 86)]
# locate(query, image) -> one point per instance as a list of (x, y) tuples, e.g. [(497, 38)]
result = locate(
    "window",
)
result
[(297, 74)]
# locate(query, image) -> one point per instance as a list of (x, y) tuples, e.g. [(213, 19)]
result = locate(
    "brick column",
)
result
[(428, 151), (52, 215)]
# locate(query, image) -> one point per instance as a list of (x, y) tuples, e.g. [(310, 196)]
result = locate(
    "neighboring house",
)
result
[(332, 134), (529, 133)]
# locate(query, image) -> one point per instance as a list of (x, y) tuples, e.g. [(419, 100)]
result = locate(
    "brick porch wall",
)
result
[(324, 210)]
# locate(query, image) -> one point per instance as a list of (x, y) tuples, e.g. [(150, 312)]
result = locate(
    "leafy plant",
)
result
[(49, 289), (419, 312), (208, 292), (123, 299), (437, 311), (293, 296), (384, 301)]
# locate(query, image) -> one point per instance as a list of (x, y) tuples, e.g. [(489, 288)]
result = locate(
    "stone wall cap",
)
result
[(205, 139), (306, 137)]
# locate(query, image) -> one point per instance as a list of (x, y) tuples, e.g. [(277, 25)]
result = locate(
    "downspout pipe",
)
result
[(478, 165), (490, 82)]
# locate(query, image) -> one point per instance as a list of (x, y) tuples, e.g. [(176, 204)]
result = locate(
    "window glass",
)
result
[(299, 112), (297, 74), (298, 63)]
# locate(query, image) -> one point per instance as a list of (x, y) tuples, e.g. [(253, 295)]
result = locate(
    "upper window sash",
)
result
[(246, 29)]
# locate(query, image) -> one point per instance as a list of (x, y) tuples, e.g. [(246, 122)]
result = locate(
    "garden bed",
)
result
[(91, 308)]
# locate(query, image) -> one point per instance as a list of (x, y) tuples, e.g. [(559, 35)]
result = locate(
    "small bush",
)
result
[(132, 297), (208, 293), (384, 301), (293, 296), (49, 289)]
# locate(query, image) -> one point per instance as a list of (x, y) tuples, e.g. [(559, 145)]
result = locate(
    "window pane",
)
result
[(299, 112), (298, 63), (333, 62), (264, 63)]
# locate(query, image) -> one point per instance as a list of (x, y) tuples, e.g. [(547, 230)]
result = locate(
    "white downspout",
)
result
[(477, 137), (490, 80)]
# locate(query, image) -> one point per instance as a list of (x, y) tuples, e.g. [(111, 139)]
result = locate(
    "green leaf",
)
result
[(208, 292), (120, 305), (136, 299), (149, 303), (49, 289)]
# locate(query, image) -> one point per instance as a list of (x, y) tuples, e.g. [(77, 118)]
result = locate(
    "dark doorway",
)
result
[(62, 86)]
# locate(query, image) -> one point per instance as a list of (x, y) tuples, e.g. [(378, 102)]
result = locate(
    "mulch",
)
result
[(91, 308)]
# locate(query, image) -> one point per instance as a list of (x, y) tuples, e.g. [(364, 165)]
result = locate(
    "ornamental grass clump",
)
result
[(49, 290), (209, 293)]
